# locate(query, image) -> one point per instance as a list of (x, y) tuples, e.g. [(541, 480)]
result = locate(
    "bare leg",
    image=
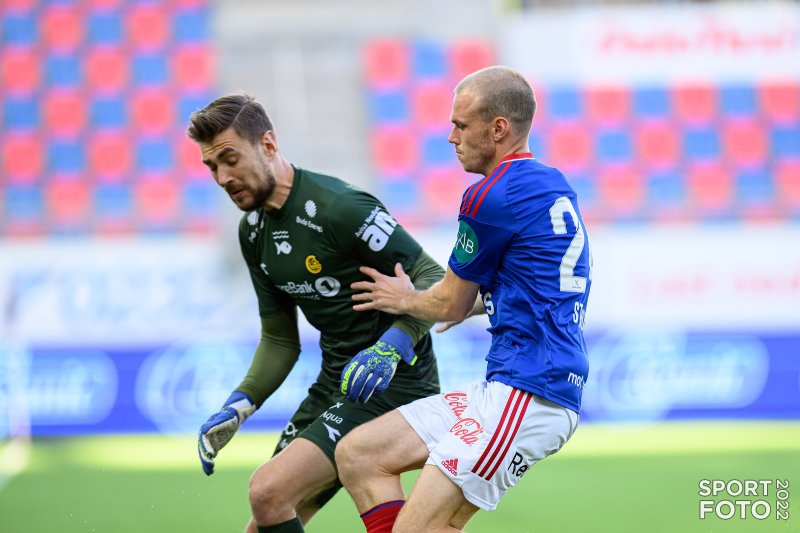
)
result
[(372, 457), (436, 504), (287, 484)]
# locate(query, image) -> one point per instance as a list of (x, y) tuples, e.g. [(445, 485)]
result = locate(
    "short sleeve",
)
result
[(478, 249), (363, 226)]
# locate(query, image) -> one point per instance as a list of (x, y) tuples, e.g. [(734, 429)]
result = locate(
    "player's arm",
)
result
[(425, 273), (451, 299), (477, 309)]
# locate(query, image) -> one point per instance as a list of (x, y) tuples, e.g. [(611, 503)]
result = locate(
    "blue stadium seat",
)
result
[(63, 70), (651, 102), (189, 103), (436, 151), (613, 145), (23, 203), (389, 106), (191, 25), (785, 141), (200, 199), (738, 100), (21, 112), (404, 194), (154, 155), (108, 112), (564, 102), (19, 29), (428, 60), (113, 200), (104, 27), (66, 156), (701, 143), (150, 69), (665, 190), (754, 187)]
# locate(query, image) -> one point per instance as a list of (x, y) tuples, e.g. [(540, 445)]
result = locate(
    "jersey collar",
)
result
[(513, 157)]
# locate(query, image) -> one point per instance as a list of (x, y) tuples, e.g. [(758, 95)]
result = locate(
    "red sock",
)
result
[(381, 518)]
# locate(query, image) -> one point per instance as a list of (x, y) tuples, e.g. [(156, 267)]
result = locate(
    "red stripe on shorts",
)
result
[(513, 434), (513, 399)]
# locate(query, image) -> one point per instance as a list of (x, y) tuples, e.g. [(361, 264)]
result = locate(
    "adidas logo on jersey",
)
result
[(451, 465)]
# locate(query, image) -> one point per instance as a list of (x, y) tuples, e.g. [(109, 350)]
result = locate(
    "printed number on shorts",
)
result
[(569, 281)]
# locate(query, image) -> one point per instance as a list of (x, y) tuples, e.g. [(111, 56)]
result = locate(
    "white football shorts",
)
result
[(485, 436)]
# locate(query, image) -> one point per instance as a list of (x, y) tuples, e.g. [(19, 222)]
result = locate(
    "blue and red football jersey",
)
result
[(522, 238)]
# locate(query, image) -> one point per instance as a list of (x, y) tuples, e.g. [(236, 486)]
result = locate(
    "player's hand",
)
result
[(383, 293), (220, 428), (371, 370)]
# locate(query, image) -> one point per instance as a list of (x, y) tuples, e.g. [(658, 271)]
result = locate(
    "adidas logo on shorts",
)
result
[(451, 465)]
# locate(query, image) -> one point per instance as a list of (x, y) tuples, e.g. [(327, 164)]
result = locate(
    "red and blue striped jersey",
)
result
[(522, 238)]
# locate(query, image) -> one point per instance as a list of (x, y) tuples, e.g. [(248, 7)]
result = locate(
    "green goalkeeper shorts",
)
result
[(326, 416)]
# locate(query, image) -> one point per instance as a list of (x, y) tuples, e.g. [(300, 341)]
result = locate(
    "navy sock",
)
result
[(290, 526)]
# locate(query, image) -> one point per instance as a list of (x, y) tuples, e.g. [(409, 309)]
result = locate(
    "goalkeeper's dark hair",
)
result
[(240, 111)]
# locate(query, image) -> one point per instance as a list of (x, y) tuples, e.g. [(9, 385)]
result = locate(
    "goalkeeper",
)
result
[(303, 237)]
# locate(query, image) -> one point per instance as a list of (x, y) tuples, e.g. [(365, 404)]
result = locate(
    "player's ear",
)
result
[(501, 129), (269, 143)]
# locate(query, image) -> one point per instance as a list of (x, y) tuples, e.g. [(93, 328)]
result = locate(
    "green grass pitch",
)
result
[(607, 479)]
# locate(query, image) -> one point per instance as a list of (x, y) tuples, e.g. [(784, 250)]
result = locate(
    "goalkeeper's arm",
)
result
[(275, 356)]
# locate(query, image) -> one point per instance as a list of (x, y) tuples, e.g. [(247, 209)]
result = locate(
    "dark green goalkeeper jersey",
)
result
[(307, 254)]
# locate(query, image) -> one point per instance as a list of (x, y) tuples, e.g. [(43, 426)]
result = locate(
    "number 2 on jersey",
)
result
[(569, 281)]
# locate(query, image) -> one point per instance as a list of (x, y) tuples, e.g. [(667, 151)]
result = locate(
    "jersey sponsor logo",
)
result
[(328, 286), (576, 380), (313, 265), (332, 418), (283, 247), (518, 466), (298, 288), (307, 223), (451, 465), (376, 229), (311, 208), (467, 429), (466, 243), (457, 402), (252, 218)]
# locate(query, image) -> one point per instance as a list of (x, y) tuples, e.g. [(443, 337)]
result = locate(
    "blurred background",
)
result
[(127, 315)]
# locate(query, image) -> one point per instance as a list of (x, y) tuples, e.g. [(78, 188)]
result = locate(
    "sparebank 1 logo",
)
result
[(179, 387), (643, 375), (466, 243)]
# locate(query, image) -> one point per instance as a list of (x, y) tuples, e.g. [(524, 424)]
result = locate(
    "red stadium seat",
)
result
[(64, 112), (656, 144), (468, 56), (387, 63), (787, 180), (430, 104), (621, 191), (157, 200), (67, 202), (710, 189), (20, 70), (441, 193), (395, 151), (62, 27), (110, 156), (23, 158), (190, 160), (608, 104), (780, 100), (744, 142), (148, 26), (568, 146), (695, 103), (193, 67), (152, 110), (107, 68)]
